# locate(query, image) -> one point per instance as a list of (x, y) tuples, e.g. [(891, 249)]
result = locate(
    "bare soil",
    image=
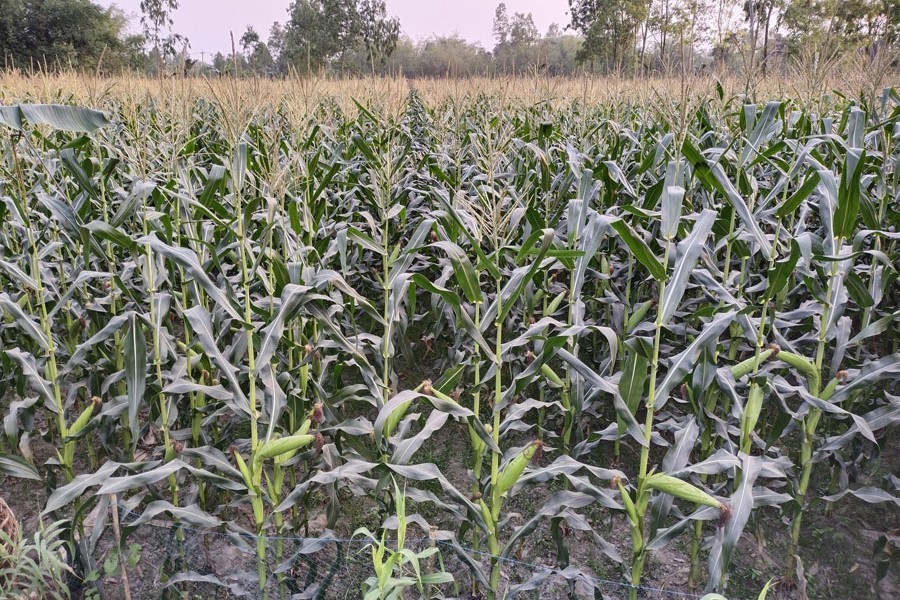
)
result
[(837, 544)]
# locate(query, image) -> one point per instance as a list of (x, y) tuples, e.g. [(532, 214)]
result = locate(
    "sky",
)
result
[(206, 23)]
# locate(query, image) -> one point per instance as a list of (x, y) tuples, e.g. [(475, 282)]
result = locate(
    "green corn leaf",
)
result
[(463, 270), (781, 273), (187, 259), (846, 213), (639, 249), (13, 466), (793, 202), (25, 323), (135, 352), (689, 252), (633, 382), (57, 116)]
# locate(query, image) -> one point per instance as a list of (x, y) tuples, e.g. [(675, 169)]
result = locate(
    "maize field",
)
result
[(466, 332)]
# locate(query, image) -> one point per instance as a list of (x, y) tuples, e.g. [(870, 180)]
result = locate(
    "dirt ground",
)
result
[(837, 547)]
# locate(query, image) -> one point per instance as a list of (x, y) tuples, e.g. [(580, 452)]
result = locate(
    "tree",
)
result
[(759, 16), (156, 17), (275, 44), (221, 64), (321, 31), (379, 33), (557, 51), (891, 12), (452, 56), (516, 37), (256, 53), (678, 27), (501, 24), (62, 34), (249, 40), (522, 30), (832, 25), (609, 28), (317, 31)]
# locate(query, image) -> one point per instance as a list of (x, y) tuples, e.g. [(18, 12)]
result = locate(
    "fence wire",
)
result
[(177, 561)]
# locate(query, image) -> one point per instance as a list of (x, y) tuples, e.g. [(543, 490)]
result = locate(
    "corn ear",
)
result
[(628, 502), (829, 389), (514, 469), (283, 445), (243, 468), (801, 364), (564, 399), (283, 458), (747, 366), (680, 489), (258, 514), (304, 378), (488, 518), (85, 417), (554, 304), (442, 396), (486, 514), (304, 427), (551, 375), (752, 409), (390, 424), (493, 544), (68, 452)]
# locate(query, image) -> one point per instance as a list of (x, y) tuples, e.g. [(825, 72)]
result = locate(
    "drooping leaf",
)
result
[(639, 249), (13, 466), (57, 116), (463, 270), (681, 364), (202, 326), (689, 251), (740, 507), (186, 259)]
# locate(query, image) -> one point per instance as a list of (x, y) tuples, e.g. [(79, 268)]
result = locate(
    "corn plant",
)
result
[(227, 309), (389, 565)]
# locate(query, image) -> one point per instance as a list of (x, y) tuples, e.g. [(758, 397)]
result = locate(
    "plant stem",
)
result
[(51, 367), (811, 421), (251, 369), (637, 533), (493, 539), (654, 369)]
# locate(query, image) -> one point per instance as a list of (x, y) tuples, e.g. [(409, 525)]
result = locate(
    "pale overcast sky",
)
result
[(206, 23)]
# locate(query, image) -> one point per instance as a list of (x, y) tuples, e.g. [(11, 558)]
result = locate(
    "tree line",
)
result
[(357, 37)]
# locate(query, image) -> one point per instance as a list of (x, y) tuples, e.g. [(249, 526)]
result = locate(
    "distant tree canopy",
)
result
[(53, 34), (156, 18), (256, 53), (319, 32), (626, 36), (653, 35), (353, 37)]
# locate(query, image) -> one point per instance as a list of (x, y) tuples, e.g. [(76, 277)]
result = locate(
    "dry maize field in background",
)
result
[(484, 338)]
